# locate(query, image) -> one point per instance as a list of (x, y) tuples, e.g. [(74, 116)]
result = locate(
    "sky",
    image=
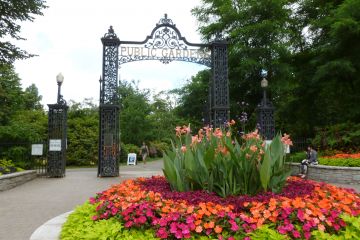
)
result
[(67, 40)]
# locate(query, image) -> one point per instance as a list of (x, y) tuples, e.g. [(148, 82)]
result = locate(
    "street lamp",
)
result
[(57, 134), (264, 85), (266, 120), (59, 80)]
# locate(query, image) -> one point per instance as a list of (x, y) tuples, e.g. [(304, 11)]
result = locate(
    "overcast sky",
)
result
[(67, 40)]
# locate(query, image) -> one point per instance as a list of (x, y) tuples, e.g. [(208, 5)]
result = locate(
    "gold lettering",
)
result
[(171, 54), (164, 52), (153, 52), (192, 53), (178, 53), (132, 51), (185, 53), (123, 50), (137, 51)]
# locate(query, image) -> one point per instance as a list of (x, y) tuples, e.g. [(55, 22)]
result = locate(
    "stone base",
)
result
[(330, 174), (8, 181)]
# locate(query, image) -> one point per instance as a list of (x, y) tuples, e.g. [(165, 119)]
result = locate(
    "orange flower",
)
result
[(208, 225), (298, 203), (218, 229), (198, 229), (266, 214), (253, 148)]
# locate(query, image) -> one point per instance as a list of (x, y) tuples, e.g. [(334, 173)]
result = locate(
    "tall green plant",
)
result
[(214, 161)]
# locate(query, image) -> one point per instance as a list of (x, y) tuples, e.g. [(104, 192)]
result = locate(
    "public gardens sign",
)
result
[(164, 44)]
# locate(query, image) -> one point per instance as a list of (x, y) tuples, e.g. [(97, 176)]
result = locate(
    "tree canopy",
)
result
[(13, 12), (310, 50)]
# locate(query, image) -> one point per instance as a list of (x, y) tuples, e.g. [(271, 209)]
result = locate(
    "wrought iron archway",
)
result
[(165, 44)]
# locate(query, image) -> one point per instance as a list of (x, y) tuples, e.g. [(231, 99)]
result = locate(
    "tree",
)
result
[(259, 37), (12, 13), (134, 109), (10, 93), (83, 133), (193, 103), (163, 118)]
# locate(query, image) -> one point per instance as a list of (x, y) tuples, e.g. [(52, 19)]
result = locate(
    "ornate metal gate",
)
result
[(165, 44)]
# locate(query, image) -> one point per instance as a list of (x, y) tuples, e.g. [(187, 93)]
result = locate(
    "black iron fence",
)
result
[(300, 144)]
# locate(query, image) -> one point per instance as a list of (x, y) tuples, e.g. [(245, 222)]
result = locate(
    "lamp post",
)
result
[(266, 120), (59, 80), (57, 134)]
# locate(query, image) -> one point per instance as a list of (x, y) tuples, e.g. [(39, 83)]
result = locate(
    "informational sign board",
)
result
[(131, 160), (37, 149), (267, 143), (55, 145)]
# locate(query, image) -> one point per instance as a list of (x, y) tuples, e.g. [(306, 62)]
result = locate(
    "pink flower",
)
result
[(296, 234), (183, 149), (307, 235), (286, 140), (94, 218), (162, 233), (128, 224), (300, 215), (234, 227), (178, 234)]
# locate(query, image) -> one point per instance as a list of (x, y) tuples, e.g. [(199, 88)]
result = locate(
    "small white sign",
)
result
[(267, 143), (131, 160), (55, 145), (37, 149), (287, 148)]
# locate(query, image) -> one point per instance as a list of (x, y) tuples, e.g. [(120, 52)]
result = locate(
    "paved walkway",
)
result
[(24, 208)]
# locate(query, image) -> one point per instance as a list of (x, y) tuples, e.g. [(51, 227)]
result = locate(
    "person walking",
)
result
[(144, 151)]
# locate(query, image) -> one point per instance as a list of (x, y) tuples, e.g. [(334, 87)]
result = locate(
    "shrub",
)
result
[(344, 136), (7, 166), (217, 163), (126, 149), (297, 157), (157, 148), (344, 162)]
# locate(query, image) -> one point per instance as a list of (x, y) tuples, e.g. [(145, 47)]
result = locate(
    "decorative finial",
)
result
[(111, 30), (165, 15)]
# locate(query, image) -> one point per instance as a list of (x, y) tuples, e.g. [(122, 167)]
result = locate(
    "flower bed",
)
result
[(341, 159), (303, 210)]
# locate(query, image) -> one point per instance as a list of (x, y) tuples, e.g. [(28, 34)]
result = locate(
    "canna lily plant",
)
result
[(216, 162)]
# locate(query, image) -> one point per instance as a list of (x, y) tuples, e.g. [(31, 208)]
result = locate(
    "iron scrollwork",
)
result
[(166, 36), (109, 108)]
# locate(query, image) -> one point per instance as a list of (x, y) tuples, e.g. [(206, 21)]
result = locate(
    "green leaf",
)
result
[(265, 170)]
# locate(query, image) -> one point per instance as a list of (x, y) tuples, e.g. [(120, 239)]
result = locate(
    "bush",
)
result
[(20, 157), (343, 162), (297, 157), (126, 149), (7, 166), (157, 148), (344, 137)]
